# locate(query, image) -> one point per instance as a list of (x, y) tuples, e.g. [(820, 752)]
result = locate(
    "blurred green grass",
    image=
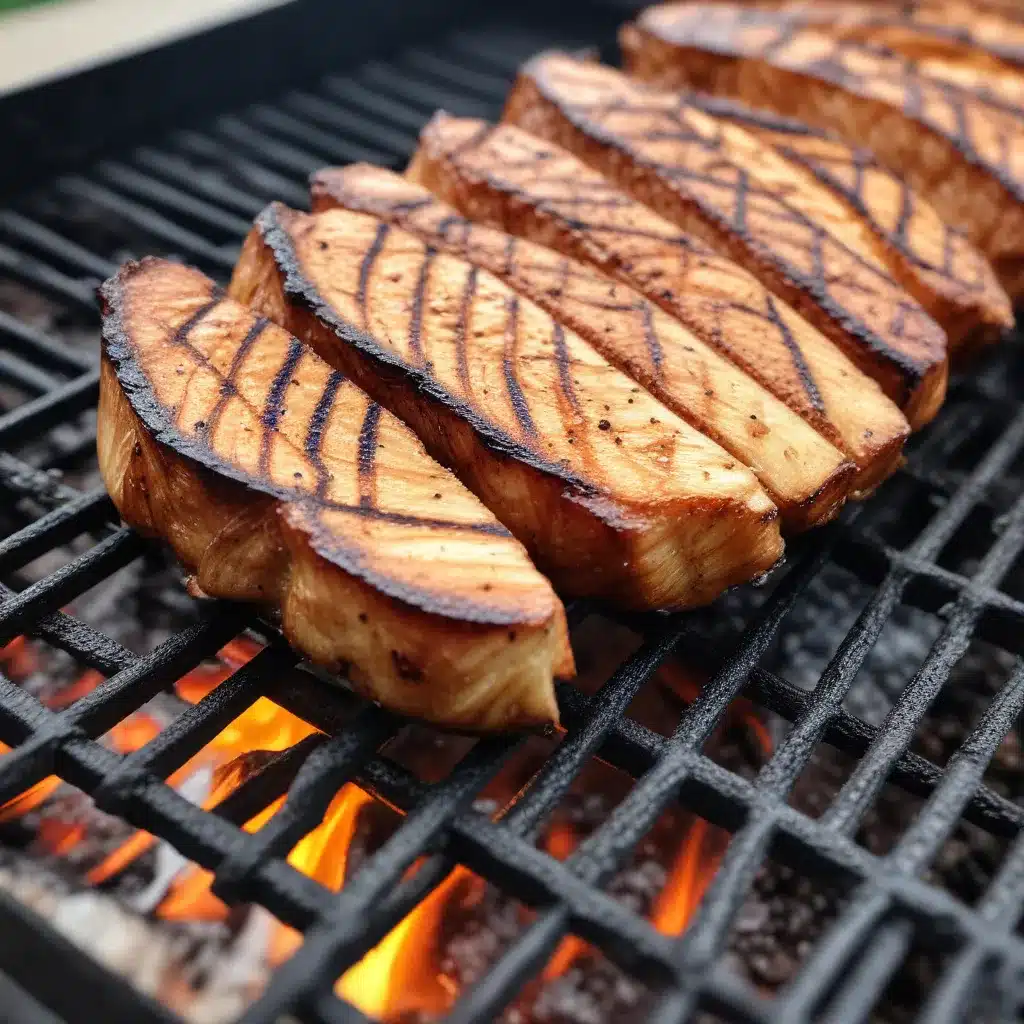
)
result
[(10, 5)]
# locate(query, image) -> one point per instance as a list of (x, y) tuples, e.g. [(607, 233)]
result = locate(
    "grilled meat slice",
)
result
[(805, 476), (941, 45), (961, 150), (931, 259), (945, 29), (718, 182), (504, 177), (612, 493), (275, 480)]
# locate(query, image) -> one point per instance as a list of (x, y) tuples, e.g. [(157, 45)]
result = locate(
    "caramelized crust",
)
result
[(612, 493), (961, 150), (511, 180), (804, 475), (717, 181), (932, 260), (275, 480)]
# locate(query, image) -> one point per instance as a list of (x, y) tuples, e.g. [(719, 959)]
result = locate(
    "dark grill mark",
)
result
[(416, 321), (272, 408), (564, 367), (461, 326), (906, 211), (802, 369), (315, 432), (740, 212), (515, 392), (510, 256), (859, 166), (407, 206), (181, 334), (445, 224), (493, 529), (366, 269), (651, 339), (368, 456), (227, 386)]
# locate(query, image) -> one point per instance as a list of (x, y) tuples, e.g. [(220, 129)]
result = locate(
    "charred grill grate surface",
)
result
[(192, 194)]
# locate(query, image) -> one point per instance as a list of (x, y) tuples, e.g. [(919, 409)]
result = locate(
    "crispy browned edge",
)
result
[(269, 278), (203, 480), (916, 385), (329, 190)]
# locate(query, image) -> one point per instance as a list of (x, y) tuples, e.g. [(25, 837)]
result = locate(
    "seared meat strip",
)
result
[(504, 177), (805, 476), (960, 149), (233, 442), (932, 260), (613, 494), (718, 182)]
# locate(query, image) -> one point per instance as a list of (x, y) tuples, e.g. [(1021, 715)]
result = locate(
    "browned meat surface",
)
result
[(277, 481), (504, 177), (932, 260), (960, 148), (805, 475), (613, 494), (960, 30), (718, 182)]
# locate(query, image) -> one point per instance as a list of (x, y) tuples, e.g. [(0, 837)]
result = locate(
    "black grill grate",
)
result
[(192, 195)]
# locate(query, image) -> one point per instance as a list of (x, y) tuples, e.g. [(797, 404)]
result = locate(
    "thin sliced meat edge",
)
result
[(225, 437), (962, 152), (804, 474), (718, 182), (613, 495), (504, 177)]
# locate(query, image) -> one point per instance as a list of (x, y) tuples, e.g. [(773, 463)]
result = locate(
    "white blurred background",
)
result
[(44, 39)]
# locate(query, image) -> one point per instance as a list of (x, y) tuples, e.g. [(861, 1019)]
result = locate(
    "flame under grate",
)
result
[(943, 541)]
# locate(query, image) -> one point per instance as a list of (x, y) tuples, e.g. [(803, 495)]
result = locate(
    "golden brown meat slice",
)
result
[(941, 41), (275, 480), (805, 476), (502, 176), (612, 493), (717, 181), (932, 260), (962, 151)]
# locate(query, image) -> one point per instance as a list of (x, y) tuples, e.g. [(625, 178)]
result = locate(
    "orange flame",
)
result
[(561, 841), (687, 880), (19, 660), (402, 974)]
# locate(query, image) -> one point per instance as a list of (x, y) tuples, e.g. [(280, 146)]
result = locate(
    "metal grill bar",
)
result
[(47, 352), (192, 196)]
